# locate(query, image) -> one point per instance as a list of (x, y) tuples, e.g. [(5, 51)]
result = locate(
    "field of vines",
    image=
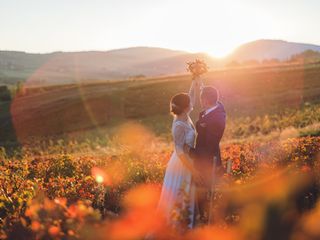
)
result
[(70, 190), (88, 161)]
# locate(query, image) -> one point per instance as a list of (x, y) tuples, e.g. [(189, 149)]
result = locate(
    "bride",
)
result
[(181, 176)]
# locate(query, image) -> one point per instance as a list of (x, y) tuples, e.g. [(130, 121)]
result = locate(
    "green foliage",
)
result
[(5, 95), (3, 154), (244, 127), (64, 167)]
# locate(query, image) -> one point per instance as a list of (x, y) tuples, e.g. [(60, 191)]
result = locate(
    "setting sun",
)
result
[(224, 51)]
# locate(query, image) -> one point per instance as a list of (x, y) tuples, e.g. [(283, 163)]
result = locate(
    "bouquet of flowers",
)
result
[(197, 68)]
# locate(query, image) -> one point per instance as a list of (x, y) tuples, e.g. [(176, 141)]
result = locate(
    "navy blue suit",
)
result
[(210, 129)]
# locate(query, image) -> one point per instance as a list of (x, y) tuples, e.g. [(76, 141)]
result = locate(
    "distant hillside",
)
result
[(176, 64), (65, 67), (270, 49), (71, 67)]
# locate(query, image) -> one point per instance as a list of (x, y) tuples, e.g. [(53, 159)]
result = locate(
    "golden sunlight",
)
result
[(90, 151), (221, 52)]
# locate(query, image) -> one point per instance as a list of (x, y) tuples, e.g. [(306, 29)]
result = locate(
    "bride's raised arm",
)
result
[(194, 92)]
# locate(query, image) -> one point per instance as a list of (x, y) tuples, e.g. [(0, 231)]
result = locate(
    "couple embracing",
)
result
[(196, 161)]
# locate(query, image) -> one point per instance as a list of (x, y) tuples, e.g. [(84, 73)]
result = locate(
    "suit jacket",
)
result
[(210, 129)]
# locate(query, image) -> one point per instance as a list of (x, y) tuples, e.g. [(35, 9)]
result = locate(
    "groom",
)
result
[(210, 128)]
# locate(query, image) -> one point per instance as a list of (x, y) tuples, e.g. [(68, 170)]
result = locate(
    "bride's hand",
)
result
[(186, 148), (198, 178)]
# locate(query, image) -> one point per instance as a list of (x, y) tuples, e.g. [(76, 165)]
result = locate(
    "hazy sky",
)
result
[(211, 26)]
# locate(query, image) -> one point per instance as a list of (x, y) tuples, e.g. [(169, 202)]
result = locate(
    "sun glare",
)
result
[(220, 51)]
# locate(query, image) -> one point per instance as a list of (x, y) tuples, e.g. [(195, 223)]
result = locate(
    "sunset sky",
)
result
[(211, 26)]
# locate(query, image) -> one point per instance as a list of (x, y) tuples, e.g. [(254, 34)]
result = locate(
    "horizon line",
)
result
[(146, 46)]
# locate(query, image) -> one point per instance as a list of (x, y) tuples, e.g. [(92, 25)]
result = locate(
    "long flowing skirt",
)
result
[(178, 192)]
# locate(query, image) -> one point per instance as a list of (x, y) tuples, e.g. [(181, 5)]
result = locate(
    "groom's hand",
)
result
[(198, 178)]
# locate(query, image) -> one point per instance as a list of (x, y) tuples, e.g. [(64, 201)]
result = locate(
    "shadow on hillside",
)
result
[(8, 138)]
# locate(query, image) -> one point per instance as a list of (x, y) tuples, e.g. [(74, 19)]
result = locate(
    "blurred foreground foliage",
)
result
[(63, 192)]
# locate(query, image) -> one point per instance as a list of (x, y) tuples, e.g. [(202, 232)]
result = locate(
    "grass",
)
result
[(91, 157), (250, 96)]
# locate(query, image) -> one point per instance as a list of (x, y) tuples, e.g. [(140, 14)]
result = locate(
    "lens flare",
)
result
[(100, 176)]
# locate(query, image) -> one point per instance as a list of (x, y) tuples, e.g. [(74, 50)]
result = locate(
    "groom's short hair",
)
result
[(211, 94)]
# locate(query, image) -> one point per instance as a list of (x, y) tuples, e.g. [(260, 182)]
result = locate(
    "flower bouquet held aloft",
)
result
[(197, 68)]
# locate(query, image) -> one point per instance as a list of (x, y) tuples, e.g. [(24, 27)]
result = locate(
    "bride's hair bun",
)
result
[(179, 103), (175, 109)]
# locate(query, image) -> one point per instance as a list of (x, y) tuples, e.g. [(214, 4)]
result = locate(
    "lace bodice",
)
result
[(183, 133)]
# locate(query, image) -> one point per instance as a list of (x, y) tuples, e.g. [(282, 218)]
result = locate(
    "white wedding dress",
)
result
[(177, 176)]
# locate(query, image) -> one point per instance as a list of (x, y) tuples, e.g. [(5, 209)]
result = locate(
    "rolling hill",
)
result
[(65, 67), (71, 67), (270, 49)]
